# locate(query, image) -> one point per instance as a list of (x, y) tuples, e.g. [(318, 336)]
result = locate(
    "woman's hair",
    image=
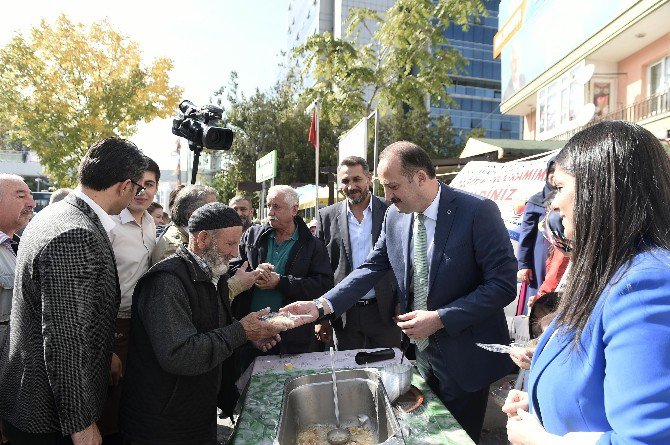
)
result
[(621, 206), (153, 206)]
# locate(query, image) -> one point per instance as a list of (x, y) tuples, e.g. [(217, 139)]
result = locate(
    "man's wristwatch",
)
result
[(319, 307)]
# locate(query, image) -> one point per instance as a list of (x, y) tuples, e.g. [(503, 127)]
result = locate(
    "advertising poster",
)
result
[(545, 31), (509, 185)]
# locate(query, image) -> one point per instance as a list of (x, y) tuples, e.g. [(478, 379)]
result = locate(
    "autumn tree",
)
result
[(67, 85), (407, 59)]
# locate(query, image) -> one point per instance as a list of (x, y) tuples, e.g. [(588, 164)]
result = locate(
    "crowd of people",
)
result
[(118, 327)]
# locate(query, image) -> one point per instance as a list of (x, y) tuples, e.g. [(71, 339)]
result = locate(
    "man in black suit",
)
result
[(55, 368), (350, 229)]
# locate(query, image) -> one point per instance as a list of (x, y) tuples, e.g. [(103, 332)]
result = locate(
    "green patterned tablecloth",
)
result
[(431, 423)]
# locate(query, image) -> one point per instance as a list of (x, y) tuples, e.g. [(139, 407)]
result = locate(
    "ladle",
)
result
[(336, 436)]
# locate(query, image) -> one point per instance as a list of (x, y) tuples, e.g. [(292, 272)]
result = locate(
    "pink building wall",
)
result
[(529, 126), (632, 86)]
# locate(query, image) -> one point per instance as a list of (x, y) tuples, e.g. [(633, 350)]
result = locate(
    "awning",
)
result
[(307, 197), (508, 149)]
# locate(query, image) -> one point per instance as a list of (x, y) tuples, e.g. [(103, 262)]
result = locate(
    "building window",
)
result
[(559, 103), (659, 76)]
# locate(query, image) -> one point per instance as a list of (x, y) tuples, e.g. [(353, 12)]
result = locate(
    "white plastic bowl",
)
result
[(397, 380)]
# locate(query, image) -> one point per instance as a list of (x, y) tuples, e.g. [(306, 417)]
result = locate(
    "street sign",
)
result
[(266, 167)]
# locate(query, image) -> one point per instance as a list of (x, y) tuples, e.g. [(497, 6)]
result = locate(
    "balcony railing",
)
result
[(639, 111)]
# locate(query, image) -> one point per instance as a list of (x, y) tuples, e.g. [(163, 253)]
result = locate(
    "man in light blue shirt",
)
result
[(349, 229)]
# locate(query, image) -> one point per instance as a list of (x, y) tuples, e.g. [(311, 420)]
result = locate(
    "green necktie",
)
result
[(420, 271)]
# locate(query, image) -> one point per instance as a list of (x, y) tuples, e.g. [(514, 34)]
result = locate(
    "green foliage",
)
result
[(276, 120), (407, 58), (476, 133), (435, 135), (267, 121), (67, 85)]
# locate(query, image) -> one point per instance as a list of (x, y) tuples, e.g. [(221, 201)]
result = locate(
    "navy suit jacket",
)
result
[(472, 278), (616, 380)]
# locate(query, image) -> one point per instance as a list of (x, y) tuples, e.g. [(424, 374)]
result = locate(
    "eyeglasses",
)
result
[(140, 189)]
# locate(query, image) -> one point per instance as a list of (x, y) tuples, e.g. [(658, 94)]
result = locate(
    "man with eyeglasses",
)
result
[(133, 240), (55, 368)]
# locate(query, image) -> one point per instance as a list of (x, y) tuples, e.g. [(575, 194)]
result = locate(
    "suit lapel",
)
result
[(445, 218), (545, 353), (377, 218), (81, 205), (342, 220)]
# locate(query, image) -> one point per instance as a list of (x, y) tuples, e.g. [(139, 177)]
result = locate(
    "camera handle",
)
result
[(196, 149)]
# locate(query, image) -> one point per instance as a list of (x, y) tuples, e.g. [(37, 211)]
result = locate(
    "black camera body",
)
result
[(194, 126)]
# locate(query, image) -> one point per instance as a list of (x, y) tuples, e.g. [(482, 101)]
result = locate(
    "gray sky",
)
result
[(206, 40)]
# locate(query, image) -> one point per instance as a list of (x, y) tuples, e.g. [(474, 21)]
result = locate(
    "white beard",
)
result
[(218, 265), (219, 270)]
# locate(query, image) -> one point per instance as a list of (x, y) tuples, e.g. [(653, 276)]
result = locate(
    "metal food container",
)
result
[(309, 400)]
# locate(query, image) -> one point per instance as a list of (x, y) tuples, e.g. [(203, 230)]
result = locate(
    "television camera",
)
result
[(197, 125)]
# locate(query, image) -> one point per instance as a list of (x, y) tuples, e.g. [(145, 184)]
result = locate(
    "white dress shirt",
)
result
[(360, 239), (133, 245)]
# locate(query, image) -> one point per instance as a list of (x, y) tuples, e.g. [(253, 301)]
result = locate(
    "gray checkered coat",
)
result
[(55, 367)]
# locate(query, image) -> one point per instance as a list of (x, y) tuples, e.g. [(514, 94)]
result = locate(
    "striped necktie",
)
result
[(420, 272)]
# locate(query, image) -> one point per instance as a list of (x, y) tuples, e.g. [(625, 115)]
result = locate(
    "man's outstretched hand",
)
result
[(301, 308)]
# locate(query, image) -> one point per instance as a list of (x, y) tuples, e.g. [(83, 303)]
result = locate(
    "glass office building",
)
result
[(477, 90)]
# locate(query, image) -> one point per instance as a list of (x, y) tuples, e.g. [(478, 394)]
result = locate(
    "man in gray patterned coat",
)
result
[(55, 369)]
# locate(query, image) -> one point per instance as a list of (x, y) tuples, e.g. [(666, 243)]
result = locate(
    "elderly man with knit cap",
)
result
[(182, 335)]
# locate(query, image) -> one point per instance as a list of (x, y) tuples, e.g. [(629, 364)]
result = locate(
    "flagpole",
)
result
[(316, 164)]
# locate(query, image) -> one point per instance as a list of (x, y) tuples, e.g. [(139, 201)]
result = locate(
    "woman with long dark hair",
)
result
[(600, 371)]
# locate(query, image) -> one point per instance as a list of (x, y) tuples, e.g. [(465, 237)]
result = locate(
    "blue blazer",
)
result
[(617, 380), (472, 278)]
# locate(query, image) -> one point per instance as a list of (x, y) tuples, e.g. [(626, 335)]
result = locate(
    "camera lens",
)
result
[(217, 138)]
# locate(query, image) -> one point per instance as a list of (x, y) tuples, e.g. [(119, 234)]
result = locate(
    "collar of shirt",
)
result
[(201, 263), (125, 216), (8, 242), (294, 236), (431, 211), (107, 222), (367, 212)]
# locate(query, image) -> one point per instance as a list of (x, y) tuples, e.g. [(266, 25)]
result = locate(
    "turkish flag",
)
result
[(312, 138)]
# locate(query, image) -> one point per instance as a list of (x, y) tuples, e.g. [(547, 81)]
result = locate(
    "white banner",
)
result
[(354, 142), (509, 185)]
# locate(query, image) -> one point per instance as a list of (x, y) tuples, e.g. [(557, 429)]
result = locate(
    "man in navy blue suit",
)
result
[(456, 271)]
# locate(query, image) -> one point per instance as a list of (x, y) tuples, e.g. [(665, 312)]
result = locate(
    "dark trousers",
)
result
[(468, 408), (19, 437), (364, 328), (108, 422)]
